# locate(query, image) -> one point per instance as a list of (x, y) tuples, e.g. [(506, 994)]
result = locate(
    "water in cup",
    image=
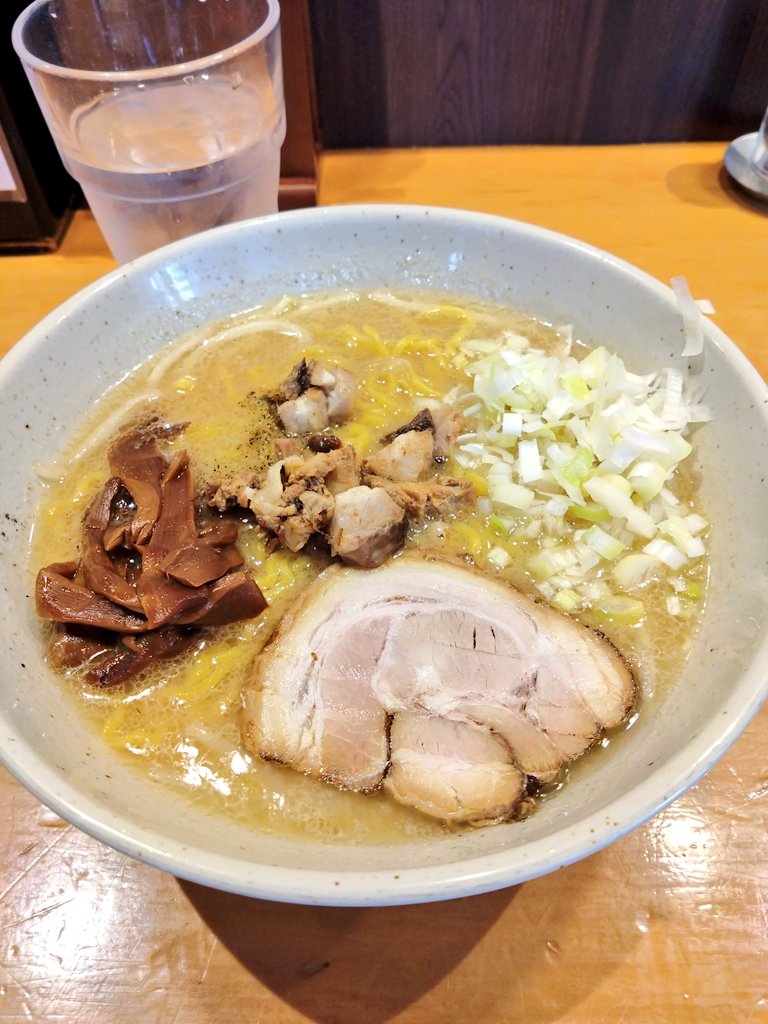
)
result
[(162, 163)]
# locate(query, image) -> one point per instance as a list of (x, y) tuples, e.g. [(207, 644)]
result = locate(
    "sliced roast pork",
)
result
[(452, 690)]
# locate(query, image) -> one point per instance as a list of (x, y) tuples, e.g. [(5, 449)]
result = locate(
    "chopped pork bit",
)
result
[(320, 376), (295, 499), (455, 691), (421, 421), (448, 425), (341, 396), (308, 508), (286, 447), (367, 527), (408, 457), (339, 468), (314, 396), (295, 384), (439, 497), (307, 412), (265, 497), (230, 493), (445, 423)]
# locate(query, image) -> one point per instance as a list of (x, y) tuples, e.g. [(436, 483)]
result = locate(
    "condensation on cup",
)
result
[(170, 119)]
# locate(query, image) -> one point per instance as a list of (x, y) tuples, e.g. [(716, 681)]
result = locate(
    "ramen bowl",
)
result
[(52, 377)]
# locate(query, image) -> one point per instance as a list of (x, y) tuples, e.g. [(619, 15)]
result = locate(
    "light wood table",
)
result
[(670, 924)]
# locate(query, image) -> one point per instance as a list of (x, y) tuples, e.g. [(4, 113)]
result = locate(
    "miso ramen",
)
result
[(543, 518)]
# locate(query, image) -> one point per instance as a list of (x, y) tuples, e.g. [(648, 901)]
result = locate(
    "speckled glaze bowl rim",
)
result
[(408, 884)]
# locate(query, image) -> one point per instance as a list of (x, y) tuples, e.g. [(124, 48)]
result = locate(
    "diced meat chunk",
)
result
[(367, 527), (408, 457), (443, 421), (421, 421), (295, 498), (229, 494), (320, 376), (306, 510), (313, 396), (341, 396), (285, 447), (452, 690), (439, 497), (307, 412), (295, 384), (448, 425), (337, 468)]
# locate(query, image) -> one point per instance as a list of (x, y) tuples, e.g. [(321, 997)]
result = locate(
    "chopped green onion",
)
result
[(499, 557), (603, 543), (590, 513), (577, 470), (567, 600), (621, 611), (635, 570), (582, 454)]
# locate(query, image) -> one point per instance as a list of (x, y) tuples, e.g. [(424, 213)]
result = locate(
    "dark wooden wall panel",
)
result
[(485, 72)]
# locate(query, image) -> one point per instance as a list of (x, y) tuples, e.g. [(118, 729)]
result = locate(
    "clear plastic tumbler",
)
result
[(169, 114)]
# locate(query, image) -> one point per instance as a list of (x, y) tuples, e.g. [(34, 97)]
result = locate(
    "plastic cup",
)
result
[(170, 115)]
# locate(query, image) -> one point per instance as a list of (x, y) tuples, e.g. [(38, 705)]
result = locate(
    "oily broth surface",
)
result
[(179, 720)]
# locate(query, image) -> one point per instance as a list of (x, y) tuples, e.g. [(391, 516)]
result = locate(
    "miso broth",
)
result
[(178, 721)]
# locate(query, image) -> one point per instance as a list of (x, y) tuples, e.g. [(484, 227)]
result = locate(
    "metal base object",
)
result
[(739, 165)]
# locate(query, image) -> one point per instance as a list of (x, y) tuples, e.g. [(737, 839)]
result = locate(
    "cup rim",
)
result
[(29, 60)]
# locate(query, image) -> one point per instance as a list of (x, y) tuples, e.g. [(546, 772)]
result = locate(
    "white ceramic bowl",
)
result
[(50, 379)]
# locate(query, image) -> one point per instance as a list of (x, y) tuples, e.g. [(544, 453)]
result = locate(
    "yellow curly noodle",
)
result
[(60, 517), (205, 680)]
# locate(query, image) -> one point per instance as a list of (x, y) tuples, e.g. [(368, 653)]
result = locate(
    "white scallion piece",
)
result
[(666, 552), (499, 557), (694, 336), (529, 461)]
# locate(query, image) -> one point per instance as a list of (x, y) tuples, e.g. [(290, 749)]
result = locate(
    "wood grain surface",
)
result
[(447, 72), (669, 924)]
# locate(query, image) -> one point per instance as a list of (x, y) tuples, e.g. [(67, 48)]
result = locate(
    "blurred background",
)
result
[(494, 72)]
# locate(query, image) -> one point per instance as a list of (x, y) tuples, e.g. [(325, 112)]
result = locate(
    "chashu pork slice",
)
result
[(443, 685)]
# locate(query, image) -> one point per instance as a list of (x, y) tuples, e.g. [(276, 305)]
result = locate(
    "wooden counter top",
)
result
[(670, 924)]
